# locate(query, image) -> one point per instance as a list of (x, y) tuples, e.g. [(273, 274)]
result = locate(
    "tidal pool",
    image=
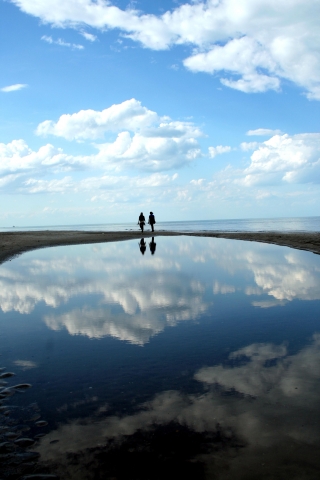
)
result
[(189, 356)]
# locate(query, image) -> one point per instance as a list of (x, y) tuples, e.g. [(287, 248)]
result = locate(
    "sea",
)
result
[(286, 224)]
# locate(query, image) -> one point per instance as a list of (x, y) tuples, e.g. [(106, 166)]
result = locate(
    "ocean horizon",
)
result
[(284, 224)]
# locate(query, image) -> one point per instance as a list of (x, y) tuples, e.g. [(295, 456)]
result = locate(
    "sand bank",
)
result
[(15, 243)]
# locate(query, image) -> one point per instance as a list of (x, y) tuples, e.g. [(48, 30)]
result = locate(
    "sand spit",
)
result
[(309, 241), (15, 243)]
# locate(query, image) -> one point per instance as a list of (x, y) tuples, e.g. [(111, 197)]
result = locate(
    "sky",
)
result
[(194, 110)]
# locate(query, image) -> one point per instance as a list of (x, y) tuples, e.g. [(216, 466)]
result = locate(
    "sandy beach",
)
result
[(15, 243)]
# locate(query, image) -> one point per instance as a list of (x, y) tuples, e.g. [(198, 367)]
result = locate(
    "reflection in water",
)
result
[(148, 305), (272, 412), (153, 293), (25, 364), (142, 246), (152, 246), (233, 393)]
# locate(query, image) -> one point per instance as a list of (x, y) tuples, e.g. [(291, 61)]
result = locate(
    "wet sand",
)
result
[(15, 243)]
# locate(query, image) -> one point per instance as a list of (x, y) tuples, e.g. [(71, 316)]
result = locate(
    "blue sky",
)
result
[(199, 110)]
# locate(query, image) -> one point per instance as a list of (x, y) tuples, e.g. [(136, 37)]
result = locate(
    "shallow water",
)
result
[(202, 359)]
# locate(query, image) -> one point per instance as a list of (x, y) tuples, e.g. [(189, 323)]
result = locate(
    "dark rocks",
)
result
[(24, 442)]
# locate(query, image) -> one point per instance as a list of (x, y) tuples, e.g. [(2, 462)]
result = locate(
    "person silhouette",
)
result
[(141, 221), (152, 221), (142, 246), (152, 246)]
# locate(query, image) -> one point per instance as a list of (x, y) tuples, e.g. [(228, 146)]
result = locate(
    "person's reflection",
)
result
[(142, 246), (152, 246)]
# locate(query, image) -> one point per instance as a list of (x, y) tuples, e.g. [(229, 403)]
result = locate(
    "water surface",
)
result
[(200, 356), (287, 224)]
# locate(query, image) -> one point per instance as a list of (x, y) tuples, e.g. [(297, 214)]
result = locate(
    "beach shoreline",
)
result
[(16, 243)]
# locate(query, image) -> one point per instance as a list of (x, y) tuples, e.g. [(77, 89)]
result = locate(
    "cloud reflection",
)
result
[(25, 364), (118, 292), (147, 308), (273, 406)]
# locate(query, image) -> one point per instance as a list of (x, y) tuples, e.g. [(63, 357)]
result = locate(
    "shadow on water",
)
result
[(165, 451)]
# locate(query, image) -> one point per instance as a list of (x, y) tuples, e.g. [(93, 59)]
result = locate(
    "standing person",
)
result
[(151, 221), (141, 221)]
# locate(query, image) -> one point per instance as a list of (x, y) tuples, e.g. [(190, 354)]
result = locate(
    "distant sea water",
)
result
[(291, 224)]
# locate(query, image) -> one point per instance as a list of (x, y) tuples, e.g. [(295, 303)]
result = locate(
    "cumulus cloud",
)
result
[(282, 160), (251, 46), (144, 140), (92, 124), (263, 132), (214, 151), (16, 156), (13, 88), (241, 56), (285, 159), (56, 171), (141, 141), (62, 43), (148, 152)]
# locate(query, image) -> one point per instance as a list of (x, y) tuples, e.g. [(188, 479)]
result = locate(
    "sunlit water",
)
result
[(201, 359), (290, 224)]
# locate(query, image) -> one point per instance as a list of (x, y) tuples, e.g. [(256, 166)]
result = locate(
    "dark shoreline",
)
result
[(15, 243)]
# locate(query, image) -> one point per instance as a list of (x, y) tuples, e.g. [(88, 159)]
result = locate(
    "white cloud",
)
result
[(240, 56), (144, 142), (285, 158), (62, 43), (157, 143), (252, 83), (16, 156), (92, 124), (256, 44), (29, 165), (89, 36), (13, 88), (263, 132), (152, 152), (214, 151), (245, 146), (281, 161), (47, 39), (102, 187)]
